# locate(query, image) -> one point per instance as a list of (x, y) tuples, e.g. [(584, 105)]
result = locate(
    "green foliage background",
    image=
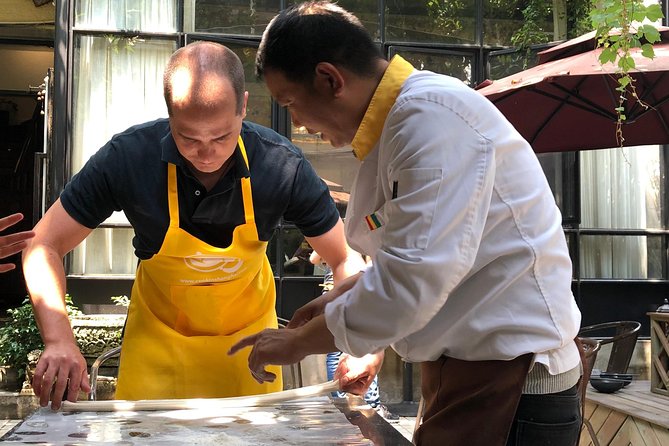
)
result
[(20, 335)]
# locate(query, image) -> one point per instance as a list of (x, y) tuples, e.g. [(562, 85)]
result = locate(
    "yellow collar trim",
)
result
[(384, 97)]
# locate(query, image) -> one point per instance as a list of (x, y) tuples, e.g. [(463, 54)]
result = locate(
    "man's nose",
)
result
[(204, 151)]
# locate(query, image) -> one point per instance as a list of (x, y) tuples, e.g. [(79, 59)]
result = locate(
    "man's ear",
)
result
[(246, 101), (329, 79)]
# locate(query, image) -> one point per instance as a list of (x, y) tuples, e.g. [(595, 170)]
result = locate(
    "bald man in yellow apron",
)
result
[(190, 303), (204, 192)]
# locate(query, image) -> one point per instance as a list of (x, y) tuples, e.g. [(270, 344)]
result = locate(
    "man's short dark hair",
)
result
[(305, 34)]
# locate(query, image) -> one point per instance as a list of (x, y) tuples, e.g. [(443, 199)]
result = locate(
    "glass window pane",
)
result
[(296, 253), (505, 22), (337, 166), (621, 257), (620, 188), (259, 106), (508, 62), (453, 64), (136, 15), (572, 245), (238, 17), (522, 22), (117, 82), (561, 172), (105, 251), (434, 21)]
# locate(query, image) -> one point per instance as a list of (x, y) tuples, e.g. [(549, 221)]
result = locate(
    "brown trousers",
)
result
[(470, 403)]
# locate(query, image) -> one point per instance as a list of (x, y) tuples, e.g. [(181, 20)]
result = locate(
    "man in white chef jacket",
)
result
[(471, 274)]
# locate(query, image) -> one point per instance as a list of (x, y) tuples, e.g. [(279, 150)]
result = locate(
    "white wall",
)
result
[(22, 66)]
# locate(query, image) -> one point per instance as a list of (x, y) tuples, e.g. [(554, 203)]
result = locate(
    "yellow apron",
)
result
[(190, 302)]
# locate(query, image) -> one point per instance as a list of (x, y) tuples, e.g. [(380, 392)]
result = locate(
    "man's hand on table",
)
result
[(61, 367), (355, 375), (270, 347)]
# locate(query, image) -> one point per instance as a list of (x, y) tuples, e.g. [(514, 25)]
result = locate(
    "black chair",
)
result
[(622, 335)]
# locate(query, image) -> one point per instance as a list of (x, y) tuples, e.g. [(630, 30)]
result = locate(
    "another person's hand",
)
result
[(283, 347), (269, 347), (356, 374), (317, 306), (310, 310), (12, 243), (61, 367)]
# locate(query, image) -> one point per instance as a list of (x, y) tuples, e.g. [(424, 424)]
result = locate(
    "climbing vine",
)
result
[(617, 35)]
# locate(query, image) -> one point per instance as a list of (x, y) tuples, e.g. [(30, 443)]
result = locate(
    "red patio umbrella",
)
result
[(568, 101)]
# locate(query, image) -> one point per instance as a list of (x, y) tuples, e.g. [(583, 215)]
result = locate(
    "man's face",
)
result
[(309, 108), (207, 136)]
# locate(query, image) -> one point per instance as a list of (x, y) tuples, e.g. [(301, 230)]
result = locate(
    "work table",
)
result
[(318, 420)]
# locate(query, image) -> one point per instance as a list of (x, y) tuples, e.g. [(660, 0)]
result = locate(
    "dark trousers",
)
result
[(553, 419), (470, 403)]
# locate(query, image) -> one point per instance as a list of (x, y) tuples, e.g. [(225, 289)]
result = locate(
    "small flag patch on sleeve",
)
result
[(373, 221)]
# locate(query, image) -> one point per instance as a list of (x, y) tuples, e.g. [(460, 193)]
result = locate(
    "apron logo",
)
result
[(209, 263)]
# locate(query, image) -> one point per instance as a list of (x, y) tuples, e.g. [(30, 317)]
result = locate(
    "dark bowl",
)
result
[(606, 385), (626, 378)]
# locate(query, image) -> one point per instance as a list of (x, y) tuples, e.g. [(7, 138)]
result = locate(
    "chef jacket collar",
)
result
[(384, 97)]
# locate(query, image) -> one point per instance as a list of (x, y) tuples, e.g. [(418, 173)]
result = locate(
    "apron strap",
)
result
[(249, 215), (172, 195)]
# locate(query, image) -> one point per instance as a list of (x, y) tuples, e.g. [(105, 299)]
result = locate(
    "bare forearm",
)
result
[(45, 279), (314, 337), (351, 266), (56, 234), (333, 249), (61, 365)]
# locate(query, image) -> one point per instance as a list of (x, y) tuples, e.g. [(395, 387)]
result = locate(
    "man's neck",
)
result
[(210, 179)]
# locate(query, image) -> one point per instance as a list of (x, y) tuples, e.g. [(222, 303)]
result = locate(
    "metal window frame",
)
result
[(60, 165)]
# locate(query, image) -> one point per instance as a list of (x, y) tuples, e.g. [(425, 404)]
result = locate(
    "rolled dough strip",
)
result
[(201, 403)]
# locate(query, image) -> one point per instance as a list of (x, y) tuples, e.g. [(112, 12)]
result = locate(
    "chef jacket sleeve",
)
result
[(444, 171)]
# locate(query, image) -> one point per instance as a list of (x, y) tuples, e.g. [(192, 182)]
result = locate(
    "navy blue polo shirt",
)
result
[(129, 173)]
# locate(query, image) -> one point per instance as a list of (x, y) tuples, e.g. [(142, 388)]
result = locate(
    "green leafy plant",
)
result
[(446, 14), (122, 43), (613, 20), (97, 339), (122, 301), (19, 335)]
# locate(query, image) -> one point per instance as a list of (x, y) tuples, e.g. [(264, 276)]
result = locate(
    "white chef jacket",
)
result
[(470, 259)]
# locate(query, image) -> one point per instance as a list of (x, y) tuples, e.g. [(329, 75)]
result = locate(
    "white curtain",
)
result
[(144, 15), (619, 190), (117, 83)]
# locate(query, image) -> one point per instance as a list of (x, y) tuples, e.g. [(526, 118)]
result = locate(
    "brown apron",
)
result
[(470, 403)]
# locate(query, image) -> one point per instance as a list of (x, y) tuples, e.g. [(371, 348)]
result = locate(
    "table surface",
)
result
[(635, 400), (319, 420)]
